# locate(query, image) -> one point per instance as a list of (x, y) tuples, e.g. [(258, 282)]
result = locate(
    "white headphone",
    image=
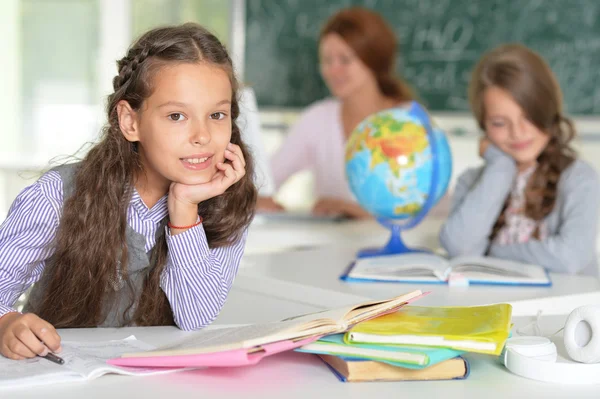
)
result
[(535, 357)]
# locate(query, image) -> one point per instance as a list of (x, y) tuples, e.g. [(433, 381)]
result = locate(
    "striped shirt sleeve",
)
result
[(196, 278), (26, 236)]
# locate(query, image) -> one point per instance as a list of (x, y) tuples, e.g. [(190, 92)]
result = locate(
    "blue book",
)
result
[(406, 356), (432, 268)]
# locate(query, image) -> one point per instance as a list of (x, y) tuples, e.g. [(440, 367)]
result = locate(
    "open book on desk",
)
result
[(297, 217), (83, 361), (431, 268), (237, 346)]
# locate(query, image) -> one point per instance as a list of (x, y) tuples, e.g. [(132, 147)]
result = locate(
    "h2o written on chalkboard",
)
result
[(440, 42)]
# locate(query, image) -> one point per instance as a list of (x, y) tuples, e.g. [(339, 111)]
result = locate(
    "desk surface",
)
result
[(318, 270), (290, 375), (275, 285), (268, 237)]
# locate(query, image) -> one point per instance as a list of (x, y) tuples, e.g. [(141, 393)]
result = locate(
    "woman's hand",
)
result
[(26, 335), (337, 207), (268, 205)]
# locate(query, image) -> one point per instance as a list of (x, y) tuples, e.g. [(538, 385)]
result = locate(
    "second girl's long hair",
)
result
[(527, 77)]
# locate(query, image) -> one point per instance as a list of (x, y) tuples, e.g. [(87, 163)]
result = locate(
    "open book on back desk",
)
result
[(431, 268), (237, 346)]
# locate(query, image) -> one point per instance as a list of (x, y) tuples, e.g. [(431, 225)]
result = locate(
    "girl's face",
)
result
[(508, 127), (343, 72), (184, 127)]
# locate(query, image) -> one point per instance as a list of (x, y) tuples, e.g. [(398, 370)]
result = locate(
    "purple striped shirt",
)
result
[(196, 278)]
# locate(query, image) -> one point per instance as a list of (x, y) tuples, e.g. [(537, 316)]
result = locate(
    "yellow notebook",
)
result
[(481, 329)]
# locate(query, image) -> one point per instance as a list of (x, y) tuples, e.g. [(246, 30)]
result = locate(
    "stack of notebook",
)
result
[(415, 343)]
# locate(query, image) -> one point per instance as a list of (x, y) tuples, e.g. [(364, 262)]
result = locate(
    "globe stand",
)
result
[(396, 245)]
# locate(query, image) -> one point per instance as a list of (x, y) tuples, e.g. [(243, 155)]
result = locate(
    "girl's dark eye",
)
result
[(217, 116), (176, 117)]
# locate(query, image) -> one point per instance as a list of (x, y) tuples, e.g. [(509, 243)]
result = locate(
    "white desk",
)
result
[(289, 375), (303, 262), (244, 306), (303, 275), (275, 285), (285, 236)]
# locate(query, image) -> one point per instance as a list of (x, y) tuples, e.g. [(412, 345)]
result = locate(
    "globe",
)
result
[(398, 166)]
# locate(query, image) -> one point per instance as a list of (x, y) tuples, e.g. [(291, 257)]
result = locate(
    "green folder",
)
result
[(407, 356)]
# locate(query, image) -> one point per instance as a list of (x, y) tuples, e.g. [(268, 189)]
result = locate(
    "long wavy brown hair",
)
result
[(91, 238), (375, 44), (528, 78)]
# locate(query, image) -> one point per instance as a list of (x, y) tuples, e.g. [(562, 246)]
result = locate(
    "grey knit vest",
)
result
[(137, 268)]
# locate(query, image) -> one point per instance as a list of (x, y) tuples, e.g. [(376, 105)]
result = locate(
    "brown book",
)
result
[(358, 370)]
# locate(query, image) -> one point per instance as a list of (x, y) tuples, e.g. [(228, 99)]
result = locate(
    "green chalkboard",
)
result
[(440, 42)]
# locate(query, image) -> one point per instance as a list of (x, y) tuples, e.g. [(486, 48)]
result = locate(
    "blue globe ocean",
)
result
[(390, 162)]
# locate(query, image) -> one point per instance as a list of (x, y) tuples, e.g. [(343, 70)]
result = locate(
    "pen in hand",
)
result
[(47, 353), (53, 358)]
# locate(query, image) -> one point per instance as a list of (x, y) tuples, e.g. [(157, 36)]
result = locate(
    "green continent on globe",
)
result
[(391, 141), (390, 164)]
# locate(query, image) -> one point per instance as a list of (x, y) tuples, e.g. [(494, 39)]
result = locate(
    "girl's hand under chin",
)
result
[(184, 199), (227, 175)]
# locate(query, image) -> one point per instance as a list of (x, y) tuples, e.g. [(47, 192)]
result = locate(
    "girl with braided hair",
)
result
[(534, 201), (149, 228)]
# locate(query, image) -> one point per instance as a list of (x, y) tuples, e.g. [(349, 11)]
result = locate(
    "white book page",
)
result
[(417, 266), (332, 316), (239, 337), (231, 338), (83, 360), (35, 371), (293, 328), (89, 358), (493, 269)]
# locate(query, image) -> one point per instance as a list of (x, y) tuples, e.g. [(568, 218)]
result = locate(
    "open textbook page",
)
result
[(291, 329), (83, 361)]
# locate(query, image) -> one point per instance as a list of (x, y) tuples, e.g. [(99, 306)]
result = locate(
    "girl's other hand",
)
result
[(484, 143), (337, 207), (25, 336)]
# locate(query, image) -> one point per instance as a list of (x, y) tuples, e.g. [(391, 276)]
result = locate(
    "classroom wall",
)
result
[(113, 33)]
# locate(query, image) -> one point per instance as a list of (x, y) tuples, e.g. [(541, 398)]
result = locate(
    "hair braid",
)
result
[(91, 243), (527, 77)]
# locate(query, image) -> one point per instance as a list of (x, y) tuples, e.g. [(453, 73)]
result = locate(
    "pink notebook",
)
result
[(238, 357), (231, 358)]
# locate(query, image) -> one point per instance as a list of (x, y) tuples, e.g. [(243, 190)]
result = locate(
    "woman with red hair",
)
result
[(357, 52)]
